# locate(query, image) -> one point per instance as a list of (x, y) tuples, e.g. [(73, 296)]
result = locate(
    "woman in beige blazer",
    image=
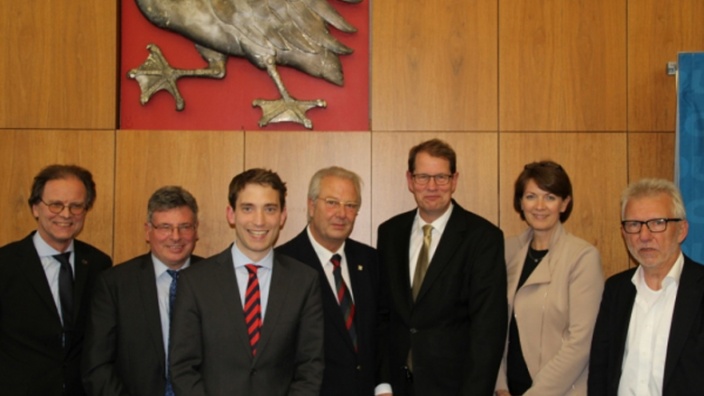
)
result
[(555, 283)]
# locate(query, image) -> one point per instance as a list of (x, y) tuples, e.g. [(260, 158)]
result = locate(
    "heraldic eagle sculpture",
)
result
[(266, 32)]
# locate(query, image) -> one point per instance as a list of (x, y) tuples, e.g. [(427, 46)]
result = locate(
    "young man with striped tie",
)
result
[(249, 321)]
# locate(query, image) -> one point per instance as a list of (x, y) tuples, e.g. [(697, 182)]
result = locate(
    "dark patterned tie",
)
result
[(172, 297), (66, 291), (253, 308), (345, 299)]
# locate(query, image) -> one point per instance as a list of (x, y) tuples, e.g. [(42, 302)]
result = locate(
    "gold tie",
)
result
[(422, 264), (419, 274)]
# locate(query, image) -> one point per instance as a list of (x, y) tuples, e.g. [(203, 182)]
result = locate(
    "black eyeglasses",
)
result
[(58, 207), (654, 225), (440, 179)]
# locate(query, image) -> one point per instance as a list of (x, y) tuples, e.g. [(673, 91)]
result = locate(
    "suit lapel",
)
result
[(80, 266), (541, 274), (34, 271), (147, 289), (358, 271), (623, 307), (450, 241), (278, 294), (399, 273), (233, 311), (310, 257), (687, 305)]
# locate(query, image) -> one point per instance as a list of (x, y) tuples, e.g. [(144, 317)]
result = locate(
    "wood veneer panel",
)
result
[(562, 65), (657, 31), (296, 156), (434, 65), (201, 162), (59, 64), (24, 153), (651, 155), (477, 164), (596, 165)]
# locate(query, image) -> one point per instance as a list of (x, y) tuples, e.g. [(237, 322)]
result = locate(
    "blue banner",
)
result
[(689, 155)]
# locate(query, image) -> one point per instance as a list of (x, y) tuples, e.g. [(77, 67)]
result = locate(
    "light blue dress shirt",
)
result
[(266, 266)]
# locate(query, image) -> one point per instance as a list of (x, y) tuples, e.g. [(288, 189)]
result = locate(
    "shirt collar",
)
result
[(43, 248), (439, 223), (324, 255), (160, 267), (241, 259), (672, 277)]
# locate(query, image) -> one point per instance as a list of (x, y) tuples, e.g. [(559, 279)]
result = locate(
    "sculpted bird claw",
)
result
[(267, 33)]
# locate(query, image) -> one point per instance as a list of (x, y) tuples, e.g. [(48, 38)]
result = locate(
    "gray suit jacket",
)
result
[(210, 352), (124, 349)]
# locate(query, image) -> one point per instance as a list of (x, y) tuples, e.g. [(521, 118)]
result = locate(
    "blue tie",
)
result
[(172, 296)]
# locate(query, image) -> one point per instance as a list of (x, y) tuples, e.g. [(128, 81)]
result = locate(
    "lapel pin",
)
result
[(84, 261), (360, 267)]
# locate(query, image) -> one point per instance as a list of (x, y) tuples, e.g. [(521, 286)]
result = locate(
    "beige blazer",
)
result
[(555, 311)]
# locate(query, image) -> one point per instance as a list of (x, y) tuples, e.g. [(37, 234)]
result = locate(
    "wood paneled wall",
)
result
[(506, 82)]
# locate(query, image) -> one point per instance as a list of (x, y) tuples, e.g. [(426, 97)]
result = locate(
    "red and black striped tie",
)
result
[(253, 308), (345, 299)]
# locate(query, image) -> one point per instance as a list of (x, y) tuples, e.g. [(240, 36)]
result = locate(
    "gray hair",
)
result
[(170, 197), (651, 188), (334, 171)]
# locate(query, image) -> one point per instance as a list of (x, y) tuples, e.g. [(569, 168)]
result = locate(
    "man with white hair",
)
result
[(649, 335)]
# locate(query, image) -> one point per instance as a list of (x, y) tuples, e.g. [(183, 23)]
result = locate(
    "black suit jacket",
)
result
[(346, 373), (32, 359), (210, 352), (124, 349), (456, 327), (684, 364)]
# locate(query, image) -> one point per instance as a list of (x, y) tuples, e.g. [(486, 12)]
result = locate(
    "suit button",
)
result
[(359, 367), (414, 330)]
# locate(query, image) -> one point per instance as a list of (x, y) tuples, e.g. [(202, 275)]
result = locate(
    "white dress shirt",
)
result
[(417, 238), (324, 255), (644, 357), (266, 267), (52, 266)]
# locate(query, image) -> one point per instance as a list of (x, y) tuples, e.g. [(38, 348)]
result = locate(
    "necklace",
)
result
[(539, 253)]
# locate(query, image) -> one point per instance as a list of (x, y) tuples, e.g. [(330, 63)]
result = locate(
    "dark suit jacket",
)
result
[(124, 349), (457, 325), (346, 373), (210, 352), (684, 364), (32, 360)]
